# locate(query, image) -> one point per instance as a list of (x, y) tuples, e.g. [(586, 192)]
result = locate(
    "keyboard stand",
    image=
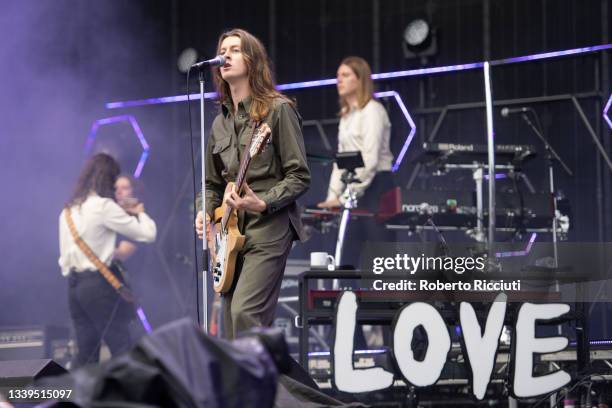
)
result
[(351, 202)]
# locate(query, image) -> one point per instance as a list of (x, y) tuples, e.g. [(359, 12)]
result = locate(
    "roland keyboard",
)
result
[(467, 153)]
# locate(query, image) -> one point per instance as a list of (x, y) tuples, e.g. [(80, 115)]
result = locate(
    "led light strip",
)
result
[(605, 111), (404, 110), (137, 130), (519, 253), (327, 353), (379, 76), (383, 75)]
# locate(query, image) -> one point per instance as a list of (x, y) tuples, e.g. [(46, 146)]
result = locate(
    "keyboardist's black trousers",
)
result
[(362, 230)]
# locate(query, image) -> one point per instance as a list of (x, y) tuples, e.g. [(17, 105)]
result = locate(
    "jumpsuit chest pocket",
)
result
[(223, 150)]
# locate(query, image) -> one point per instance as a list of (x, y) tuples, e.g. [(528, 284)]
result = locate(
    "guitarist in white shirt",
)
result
[(97, 310)]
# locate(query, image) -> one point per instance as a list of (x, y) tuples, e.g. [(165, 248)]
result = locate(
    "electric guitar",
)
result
[(228, 240)]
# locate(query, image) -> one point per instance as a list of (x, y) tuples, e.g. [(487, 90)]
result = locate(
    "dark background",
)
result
[(63, 60)]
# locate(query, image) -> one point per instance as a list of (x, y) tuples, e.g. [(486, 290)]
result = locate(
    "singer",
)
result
[(267, 212)]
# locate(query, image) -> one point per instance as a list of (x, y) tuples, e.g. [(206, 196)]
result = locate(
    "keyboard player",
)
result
[(365, 127)]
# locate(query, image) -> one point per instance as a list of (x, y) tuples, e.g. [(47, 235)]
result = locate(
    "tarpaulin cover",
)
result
[(178, 366)]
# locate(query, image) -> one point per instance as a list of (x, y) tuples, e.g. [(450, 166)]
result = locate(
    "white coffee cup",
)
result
[(321, 260)]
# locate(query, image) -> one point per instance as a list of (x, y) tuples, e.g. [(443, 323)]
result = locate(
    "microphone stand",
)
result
[(205, 258), (547, 145), (551, 155), (219, 60)]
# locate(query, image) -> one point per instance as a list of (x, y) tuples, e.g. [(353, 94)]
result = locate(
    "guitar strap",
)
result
[(108, 275), (254, 125)]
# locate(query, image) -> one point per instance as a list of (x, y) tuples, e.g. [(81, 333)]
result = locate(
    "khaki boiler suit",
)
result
[(278, 176)]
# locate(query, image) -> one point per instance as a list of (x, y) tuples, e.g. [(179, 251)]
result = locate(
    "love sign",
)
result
[(479, 344)]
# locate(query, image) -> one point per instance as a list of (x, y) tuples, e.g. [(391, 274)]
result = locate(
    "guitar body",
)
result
[(225, 250)]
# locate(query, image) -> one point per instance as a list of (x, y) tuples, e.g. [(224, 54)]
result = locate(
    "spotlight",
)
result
[(188, 57), (419, 39)]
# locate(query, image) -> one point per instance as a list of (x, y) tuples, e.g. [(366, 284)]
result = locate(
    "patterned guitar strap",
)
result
[(245, 154), (254, 125), (108, 275)]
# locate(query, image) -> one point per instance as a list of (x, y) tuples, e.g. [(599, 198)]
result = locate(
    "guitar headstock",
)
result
[(260, 138)]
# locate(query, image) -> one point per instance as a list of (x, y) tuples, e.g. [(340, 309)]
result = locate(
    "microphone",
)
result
[(509, 111), (218, 60)]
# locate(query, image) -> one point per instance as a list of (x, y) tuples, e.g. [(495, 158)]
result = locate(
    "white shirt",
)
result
[(367, 130), (98, 220)]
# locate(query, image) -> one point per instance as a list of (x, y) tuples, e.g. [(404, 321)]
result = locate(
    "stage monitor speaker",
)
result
[(35, 342), (21, 373)]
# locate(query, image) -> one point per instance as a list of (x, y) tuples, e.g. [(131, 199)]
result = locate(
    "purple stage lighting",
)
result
[(498, 176), (137, 131), (605, 111), (307, 84), (383, 75), (427, 71), (158, 101), (143, 319), (400, 103), (519, 253), (594, 343), (600, 342), (356, 352), (380, 76), (552, 54)]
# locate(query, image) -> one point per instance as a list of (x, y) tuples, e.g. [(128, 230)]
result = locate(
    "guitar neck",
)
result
[(244, 165), (242, 172)]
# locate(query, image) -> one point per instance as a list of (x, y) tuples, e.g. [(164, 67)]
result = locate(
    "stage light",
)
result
[(419, 39), (416, 32), (186, 59)]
